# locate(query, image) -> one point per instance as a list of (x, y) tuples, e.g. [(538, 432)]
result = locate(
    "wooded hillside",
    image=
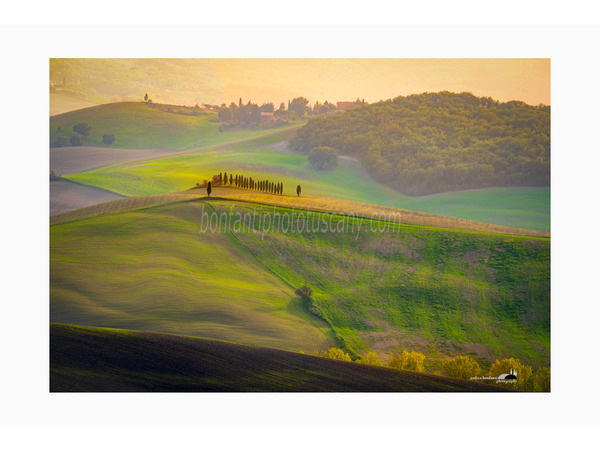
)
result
[(438, 142)]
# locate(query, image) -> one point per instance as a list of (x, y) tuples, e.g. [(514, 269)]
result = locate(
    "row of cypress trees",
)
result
[(245, 182)]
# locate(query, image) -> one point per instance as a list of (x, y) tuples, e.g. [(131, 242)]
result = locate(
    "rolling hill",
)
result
[(441, 291), (267, 155), (136, 125), (440, 142), (87, 359), (150, 269)]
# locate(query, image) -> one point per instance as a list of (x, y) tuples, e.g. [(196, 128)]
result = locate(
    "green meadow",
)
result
[(435, 290), (267, 158)]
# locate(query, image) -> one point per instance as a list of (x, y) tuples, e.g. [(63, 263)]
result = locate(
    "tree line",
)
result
[(82, 131), (244, 182), (249, 114), (436, 142), (461, 367)]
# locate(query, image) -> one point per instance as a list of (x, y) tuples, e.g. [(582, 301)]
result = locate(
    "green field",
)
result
[(439, 291), (263, 158), (150, 269), (136, 125), (87, 359)]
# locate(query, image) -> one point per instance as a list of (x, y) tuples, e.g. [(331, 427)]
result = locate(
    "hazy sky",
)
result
[(527, 80), (190, 81)]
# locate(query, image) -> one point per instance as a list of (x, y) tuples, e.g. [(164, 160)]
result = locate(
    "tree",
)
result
[(408, 361), (463, 367), (83, 129), (371, 359), (60, 141), (299, 106), (146, 97), (76, 140), (323, 158), (108, 139), (298, 190), (304, 292), (254, 117), (208, 188), (225, 179)]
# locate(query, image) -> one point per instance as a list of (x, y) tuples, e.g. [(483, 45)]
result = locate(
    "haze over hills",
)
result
[(216, 81), (349, 266)]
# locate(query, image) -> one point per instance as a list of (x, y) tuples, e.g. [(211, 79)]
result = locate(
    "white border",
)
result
[(574, 301)]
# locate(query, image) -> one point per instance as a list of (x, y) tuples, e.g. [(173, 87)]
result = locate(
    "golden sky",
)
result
[(190, 81), (527, 80)]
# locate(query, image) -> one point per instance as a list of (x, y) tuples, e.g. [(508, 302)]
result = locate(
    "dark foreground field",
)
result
[(89, 359)]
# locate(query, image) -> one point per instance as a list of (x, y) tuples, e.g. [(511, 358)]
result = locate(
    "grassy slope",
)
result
[(260, 158), (138, 126), (109, 360), (151, 270), (434, 290), (431, 289)]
